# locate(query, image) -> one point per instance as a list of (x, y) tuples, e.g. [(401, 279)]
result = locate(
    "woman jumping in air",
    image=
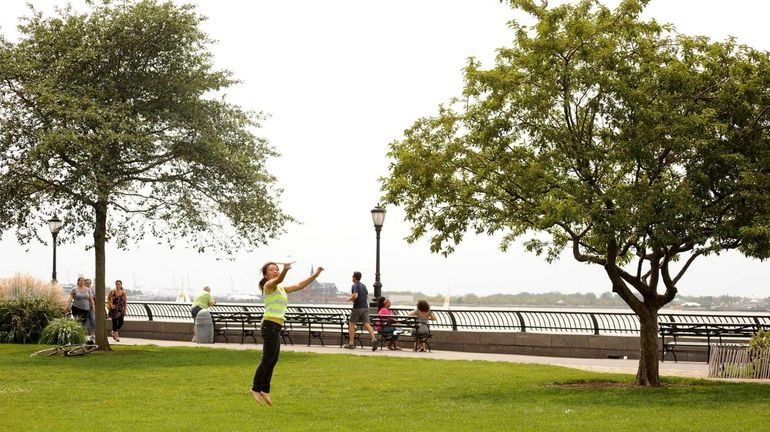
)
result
[(276, 303)]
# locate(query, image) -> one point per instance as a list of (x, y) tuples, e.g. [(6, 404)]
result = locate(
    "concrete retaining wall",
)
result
[(537, 344)]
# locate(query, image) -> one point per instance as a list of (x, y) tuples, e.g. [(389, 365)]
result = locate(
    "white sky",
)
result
[(341, 80)]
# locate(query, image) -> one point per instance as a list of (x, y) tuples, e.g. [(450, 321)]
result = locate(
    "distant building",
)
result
[(752, 304), (318, 292)]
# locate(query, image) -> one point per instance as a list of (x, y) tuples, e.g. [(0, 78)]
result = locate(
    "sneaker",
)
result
[(374, 344), (349, 346)]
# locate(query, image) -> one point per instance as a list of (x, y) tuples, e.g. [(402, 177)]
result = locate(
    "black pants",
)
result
[(271, 335), (80, 314), (117, 323)]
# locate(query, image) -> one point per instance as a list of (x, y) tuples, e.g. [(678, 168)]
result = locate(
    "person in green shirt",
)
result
[(201, 301)]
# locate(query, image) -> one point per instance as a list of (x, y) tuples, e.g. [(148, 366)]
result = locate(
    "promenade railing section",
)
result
[(503, 320)]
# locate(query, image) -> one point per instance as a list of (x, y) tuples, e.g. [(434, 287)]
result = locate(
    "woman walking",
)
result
[(276, 303), (81, 302), (116, 303)]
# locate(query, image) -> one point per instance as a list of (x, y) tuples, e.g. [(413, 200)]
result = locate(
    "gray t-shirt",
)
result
[(81, 299)]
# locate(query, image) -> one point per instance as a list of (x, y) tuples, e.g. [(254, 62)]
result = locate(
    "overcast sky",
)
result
[(341, 80)]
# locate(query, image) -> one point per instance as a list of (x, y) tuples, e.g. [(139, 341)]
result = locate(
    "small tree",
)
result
[(112, 119), (636, 148)]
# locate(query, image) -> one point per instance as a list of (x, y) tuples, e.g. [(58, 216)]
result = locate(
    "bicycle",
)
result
[(69, 350)]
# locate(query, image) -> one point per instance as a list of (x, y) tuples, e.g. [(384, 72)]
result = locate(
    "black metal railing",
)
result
[(505, 320)]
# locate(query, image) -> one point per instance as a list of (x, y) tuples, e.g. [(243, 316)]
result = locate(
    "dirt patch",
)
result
[(608, 384), (592, 385)]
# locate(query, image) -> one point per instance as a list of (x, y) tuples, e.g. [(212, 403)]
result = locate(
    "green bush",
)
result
[(61, 331), (26, 306), (760, 341), (22, 320)]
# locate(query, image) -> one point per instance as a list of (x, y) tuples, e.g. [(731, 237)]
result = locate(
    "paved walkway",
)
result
[(681, 369)]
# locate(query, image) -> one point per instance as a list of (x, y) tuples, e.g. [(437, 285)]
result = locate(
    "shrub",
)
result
[(760, 341), (26, 286), (26, 306), (61, 331)]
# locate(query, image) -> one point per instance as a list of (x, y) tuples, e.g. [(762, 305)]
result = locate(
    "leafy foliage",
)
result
[(23, 319), (26, 306), (117, 108), (62, 331), (760, 341), (631, 146)]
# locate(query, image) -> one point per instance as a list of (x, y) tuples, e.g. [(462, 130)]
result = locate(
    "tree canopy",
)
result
[(631, 146), (116, 120)]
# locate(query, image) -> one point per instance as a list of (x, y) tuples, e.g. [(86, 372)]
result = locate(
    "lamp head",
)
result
[(378, 216), (54, 224)]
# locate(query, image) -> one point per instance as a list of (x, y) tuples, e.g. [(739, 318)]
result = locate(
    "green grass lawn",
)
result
[(202, 389)]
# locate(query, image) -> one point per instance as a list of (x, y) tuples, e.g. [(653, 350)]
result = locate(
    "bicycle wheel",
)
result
[(46, 352), (81, 349)]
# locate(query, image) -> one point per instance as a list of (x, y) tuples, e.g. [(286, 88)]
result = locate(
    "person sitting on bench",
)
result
[(387, 331), (424, 315)]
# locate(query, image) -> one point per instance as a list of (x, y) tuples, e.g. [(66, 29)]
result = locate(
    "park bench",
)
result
[(244, 324), (405, 329), (676, 335), (315, 326), (247, 324)]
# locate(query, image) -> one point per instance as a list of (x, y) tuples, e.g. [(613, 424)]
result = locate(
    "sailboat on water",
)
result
[(446, 300), (181, 296)]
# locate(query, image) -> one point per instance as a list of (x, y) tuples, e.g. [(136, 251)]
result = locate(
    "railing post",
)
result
[(452, 318), (596, 323), (521, 320), (149, 311)]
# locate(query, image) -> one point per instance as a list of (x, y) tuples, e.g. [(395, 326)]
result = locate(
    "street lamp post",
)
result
[(54, 225), (378, 217)]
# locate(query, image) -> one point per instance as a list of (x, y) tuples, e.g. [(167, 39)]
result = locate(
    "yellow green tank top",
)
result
[(276, 304)]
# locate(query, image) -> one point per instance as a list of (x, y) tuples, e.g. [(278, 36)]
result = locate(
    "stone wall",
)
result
[(536, 344)]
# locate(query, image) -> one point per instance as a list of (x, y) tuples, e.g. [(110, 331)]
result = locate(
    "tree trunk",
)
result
[(100, 241), (648, 373)]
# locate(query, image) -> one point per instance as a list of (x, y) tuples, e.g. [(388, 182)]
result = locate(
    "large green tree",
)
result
[(631, 146), (115, 120)]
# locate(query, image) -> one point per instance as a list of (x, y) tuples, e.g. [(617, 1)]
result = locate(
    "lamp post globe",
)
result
[(378, 218), (54, 224)]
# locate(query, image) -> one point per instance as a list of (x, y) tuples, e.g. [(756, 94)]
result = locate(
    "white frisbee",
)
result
[(286, 259)]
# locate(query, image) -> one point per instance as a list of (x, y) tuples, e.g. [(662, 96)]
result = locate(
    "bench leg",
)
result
[(666, 351)]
